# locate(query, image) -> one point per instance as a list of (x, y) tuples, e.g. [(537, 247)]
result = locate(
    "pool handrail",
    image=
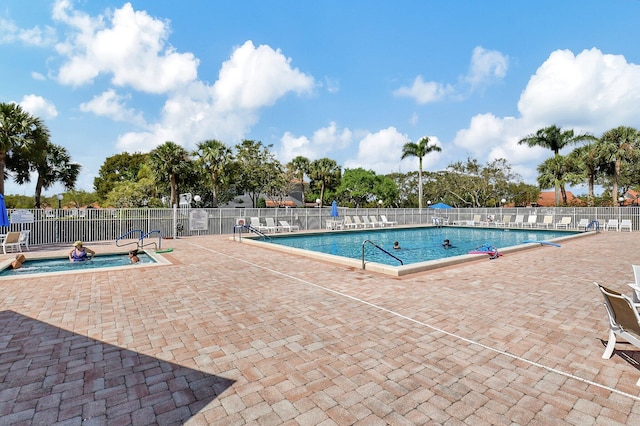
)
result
[(158, 246), (248, 228), (379, 248), (126, 234)]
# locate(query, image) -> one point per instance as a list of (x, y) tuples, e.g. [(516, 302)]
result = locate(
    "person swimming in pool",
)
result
[(133, 256), (80, 253), (396, 246), (447, 244)]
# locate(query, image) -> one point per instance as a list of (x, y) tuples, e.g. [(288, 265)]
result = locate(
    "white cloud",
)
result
[(381, 152), (323, 142), (38, 76), (110, 104), (591, 92), (39, 106), (254, 77), (425, 92), (129, 45), (36, 36), (486, 67)]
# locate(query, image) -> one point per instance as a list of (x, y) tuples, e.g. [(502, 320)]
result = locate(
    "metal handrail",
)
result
[(126, 234), (379, 248), (141, 243), (248, 228)]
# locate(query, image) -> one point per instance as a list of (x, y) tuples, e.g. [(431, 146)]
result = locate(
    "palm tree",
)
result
[(588, 160), (555, 139), (168, 161), (419, 150), (216, 158), (325, 174), (556, 172), (299, 167), (17, 129), (619, 145)]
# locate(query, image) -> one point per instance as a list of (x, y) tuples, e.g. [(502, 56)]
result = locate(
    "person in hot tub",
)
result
[(80, 253)]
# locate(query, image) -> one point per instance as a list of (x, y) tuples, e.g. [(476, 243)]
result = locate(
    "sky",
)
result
[(349, 80)]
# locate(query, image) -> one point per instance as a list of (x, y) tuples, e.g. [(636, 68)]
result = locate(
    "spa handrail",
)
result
[(126, 234), (379, 248), (238, 228), (142, 237)]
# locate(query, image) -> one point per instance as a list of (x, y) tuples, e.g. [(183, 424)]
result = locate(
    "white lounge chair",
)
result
[(582, 225), (375, 221), (564, 222), (387, 222), (506, 221), (271, 225), (476, 220), (255, 224), (11, 240), (611, 224), (636, 285), (547, 221), (24, 238), (286, 227), (518, 221), (366, 222), (531, 221), (348, 223), (626, 224), (358, 222), (624, 320)]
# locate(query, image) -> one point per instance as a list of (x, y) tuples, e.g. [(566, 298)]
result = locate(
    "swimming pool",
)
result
[(421, 247), (63, 265)]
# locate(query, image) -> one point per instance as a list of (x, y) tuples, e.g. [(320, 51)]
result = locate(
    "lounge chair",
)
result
[(582, 225), (24, 238), (546, 222), (366, 222), (476, 220), (531, 221), (626, 224), (375, 221), (611, 224), (488, 221), (506, 221), (518, 221), (636, 285), (271, 225), (11, 240), (386, 222), (358, 222), (624, 320), (286, 227), (348, 223), (255, 224), (564, 222)]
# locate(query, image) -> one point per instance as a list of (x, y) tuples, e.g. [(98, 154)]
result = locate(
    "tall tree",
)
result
[(587, 159), (618, 146), (555, 139), (324, 174), (168, 161), (419, 149), (55, 166), (122, 167), (257, 167), (217, 159), (18, 129), (299, 167)]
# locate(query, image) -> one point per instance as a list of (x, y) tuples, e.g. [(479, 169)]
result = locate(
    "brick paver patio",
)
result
[(232, 334)]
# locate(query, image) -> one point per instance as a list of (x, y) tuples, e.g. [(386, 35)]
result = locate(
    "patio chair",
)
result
[(348, 223), (546, 222), (375, 221), (611, 224), (531, 221), (387, 222), (625, 224), (518, 221), (636, 285), (564, 222), (506, 221), (475, 221), (624, 320), (582, 225), (286, 227), (358, 222), (366, 222), (11, 240), (24, 238), (255, 224), (271, 225)]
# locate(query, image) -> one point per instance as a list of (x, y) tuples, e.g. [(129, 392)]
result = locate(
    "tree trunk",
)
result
[(38, 194), (174, 189), (614, 191)]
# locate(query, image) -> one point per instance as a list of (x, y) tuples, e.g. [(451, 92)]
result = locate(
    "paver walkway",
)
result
[(234, 334)]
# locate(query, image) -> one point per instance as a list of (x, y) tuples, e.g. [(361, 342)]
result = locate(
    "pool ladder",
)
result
[(238, 229), (379, 248), (140, 244)]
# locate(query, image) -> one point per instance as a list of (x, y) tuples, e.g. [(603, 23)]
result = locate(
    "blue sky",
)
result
[(349, 80)]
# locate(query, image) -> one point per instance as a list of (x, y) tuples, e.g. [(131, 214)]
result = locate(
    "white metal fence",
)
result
[(68, 225)]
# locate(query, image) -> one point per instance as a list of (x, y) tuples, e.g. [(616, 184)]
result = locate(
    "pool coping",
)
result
[(395, 271), (159, 261)]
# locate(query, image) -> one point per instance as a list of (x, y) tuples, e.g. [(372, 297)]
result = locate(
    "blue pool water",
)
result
[(417, 244), (40, 266)]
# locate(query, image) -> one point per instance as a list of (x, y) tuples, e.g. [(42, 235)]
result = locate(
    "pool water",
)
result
[(416, 244), (62, 264)]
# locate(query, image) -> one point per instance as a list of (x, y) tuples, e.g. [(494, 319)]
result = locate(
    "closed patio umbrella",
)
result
[(334, 209), (4, 218)]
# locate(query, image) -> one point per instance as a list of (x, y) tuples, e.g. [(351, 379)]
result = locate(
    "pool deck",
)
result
[(234, 334)]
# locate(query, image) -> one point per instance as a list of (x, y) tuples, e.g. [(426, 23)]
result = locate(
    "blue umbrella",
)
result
[(440, 206), (334, 209), (4, 218)]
